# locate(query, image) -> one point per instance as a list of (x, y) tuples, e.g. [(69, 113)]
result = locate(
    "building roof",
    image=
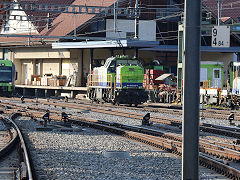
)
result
[(2, 12), (62, 24), (230, 8), (40, 25), (66, 23)]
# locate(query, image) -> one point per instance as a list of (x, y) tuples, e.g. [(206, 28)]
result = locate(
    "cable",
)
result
[(175, 15), (170, 16)]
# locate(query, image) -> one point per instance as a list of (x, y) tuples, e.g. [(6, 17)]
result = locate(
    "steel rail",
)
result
[(170, 145), (23, 146), (221, 130), (14, 137), (209, 147), (205, 146), (232, 132), (208, 113)]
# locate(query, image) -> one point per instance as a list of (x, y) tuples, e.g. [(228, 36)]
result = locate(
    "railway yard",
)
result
[(75, 139)]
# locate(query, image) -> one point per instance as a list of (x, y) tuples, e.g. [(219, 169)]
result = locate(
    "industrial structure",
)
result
[(55, 46)]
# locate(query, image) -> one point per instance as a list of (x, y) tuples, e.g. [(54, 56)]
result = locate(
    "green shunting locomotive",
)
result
[(7, 77), (119, 81)]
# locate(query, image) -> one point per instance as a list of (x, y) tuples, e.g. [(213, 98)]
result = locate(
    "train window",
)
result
[(112, 67), (6, 74), (216, 73), (129, 62)]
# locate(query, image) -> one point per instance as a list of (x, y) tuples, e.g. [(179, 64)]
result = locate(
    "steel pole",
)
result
[(218, 12), (136, 21), (191, 81)]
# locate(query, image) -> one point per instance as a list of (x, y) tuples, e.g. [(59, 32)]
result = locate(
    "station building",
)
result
[(91, 39)]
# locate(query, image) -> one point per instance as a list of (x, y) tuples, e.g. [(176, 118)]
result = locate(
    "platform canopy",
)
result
[(104, 44), (174, 48)]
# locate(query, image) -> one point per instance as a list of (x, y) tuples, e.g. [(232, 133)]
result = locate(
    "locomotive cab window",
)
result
[(112, 67), (6, 74), (129, 62)]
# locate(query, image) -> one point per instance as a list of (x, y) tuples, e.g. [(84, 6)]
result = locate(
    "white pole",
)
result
[(218, 13), (114, 17)]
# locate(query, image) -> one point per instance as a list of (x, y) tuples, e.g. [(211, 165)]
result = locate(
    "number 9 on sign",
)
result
[(214, 32), (220, 36)]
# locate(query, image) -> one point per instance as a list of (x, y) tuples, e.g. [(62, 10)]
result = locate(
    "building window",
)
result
[(98, 26), (216, 73), (6, 27), (37, 67)]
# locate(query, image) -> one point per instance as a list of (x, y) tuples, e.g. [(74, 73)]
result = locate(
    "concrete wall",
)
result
[(40, 53), (74, 67), (51, 66), (18, 67), (27, 71), (49, 62), (86, 61), (147, 29)]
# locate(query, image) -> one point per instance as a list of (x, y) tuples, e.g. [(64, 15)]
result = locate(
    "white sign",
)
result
[(221, 36)]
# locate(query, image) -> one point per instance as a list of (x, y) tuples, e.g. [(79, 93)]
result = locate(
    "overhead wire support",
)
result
[(219, 2), (136, 21), (75, 9), (53, 37), (191, 81)]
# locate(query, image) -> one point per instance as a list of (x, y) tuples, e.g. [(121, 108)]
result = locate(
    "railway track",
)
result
[(167, 141), (205, 127), (175, 110), (222, 130), (143, 135), (10, 140), (7, 136)]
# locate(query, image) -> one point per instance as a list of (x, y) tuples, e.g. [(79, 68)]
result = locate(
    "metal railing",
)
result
[(100, 80), (113, 82)]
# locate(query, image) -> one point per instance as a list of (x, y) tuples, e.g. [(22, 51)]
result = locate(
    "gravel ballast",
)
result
[(80, 155)]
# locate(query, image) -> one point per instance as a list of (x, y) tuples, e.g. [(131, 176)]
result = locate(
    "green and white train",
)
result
[(119, 81), (219, 84), (7, 77)]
